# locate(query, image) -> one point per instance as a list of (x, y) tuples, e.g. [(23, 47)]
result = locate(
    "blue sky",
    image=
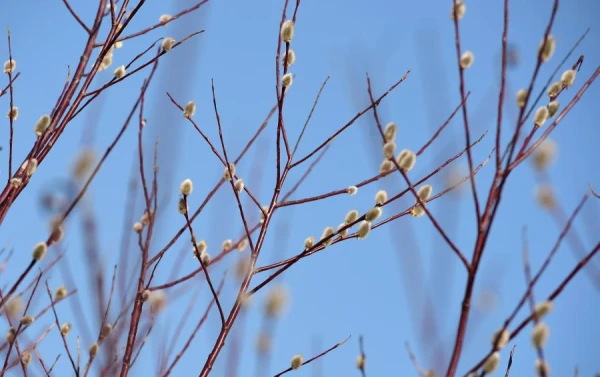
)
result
[(373, 287)]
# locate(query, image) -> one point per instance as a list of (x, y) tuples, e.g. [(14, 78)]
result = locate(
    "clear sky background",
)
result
[(376, 287)]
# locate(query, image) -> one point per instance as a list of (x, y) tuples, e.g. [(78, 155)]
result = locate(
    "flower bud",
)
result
[(373, 214), (226, 175), (327, 232), (287, 31), (61, 292), (363, 230), (65, 329), (39, 251), (351, 216), (381, 197), (390, 131), (466, 59), (406, 159), (297, 361), (553, 108), (543, 308), (190, 109), (491, 363), (309, 242), (289, 58), (42, 124), (458, 10), (186, 187), (541, 115), (546, 50), (27, 320), (521, 96), (167, 44), (287, 80), (10, 66), (568, 77), (540, 334), (119, 72)]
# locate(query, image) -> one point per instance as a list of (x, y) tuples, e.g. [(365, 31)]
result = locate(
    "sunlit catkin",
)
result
[(543, 308), (42, 124), (342, 232), (26, 358), (364, 228), (39, 251), (27, 320), (119, 72), (424, 192), (568, 77), (351, 216), (458, 10), (32, 165), (287, 31), (352, 190), (10, 335), (521, 97), (205, 258), (541, 115), (93, 350), (360, 362), (296, 362), (467, 59), (61, 292), (500, 338), (381, 197), (540, 334), (229, 171), (186, 187), (553, 108), (14, 307), (287, 80), (390, 131), (227, 245), (309, 242), (406, 159), (554, 89), (9, 66), (16, 182), (373, 214), (164, 19), (389, 148), (242, 245), (181, 206), (289, 58), (386, 166), (65, 328), (262, 214), (13, 113), (167, 44), (105, 330), (239, 185), (327, 232), (491, 363), (546, 50), (201, 246), (190, 109)]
